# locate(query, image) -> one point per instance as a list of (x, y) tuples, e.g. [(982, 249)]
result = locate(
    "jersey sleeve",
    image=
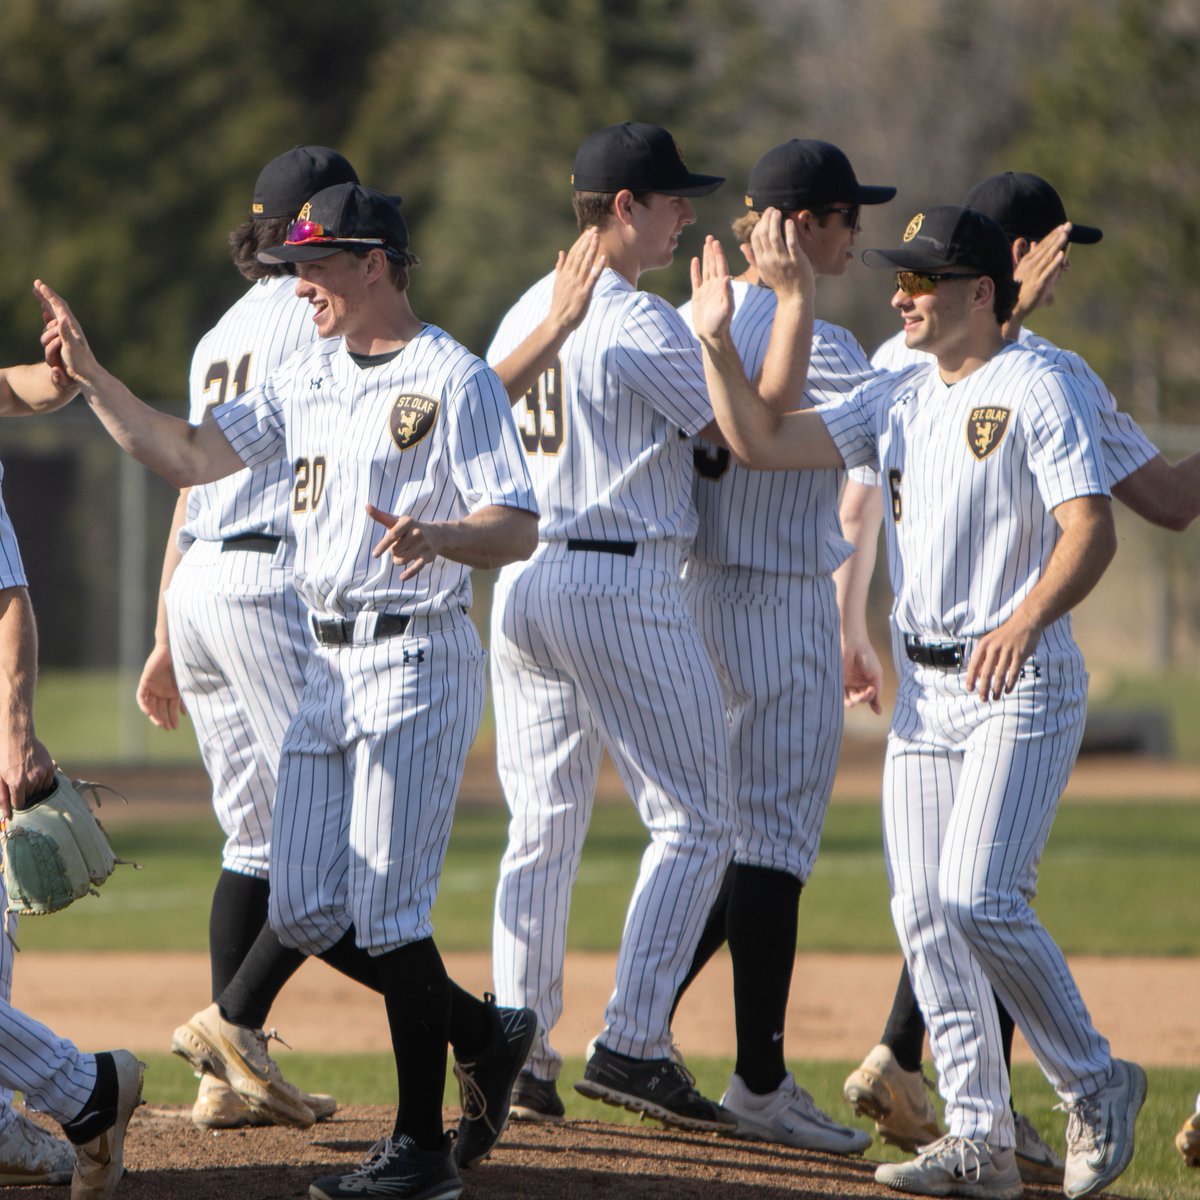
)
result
[(658, 358), (838, 365), (1062, 431), (854, 421), (254, 425), (486, 458), (12, 570)]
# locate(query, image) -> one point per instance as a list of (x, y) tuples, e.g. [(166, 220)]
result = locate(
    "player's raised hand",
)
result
[(411, 543), (575, 276), (782, 262), (712, 293), (1037, 272), (63, 341)]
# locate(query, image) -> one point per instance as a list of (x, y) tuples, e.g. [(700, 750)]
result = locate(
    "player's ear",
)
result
[(985, 291), (622, 206), (1020, 247)]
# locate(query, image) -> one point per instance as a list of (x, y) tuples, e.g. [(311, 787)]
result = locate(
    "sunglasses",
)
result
[(923, 283), (850, 212), (301, 233)]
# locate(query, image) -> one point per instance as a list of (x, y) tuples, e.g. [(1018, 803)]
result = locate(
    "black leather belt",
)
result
[(930, 652), (629, 549), (339, 631), (259, 543)]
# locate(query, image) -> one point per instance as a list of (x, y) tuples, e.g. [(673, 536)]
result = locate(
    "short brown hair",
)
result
[(399, 262), (594, 208), (743, 226), (250, 237)]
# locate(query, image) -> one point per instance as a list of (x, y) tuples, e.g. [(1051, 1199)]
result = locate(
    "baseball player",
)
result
[(592, 643), (406, 472), (759, 581), (231, 643), (888, 1086), (1001, 522), (91, 1095)]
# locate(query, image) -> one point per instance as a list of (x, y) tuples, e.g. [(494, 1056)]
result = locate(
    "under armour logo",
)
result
[(411, 656), (315, 382), (1031, 670)]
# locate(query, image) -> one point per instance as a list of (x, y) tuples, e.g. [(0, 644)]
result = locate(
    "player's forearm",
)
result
[(1084, 550), (1163, 494), (29, 388), (171, 559), (861, 515), (522, 369), (490, 537), (18, 668), (785, 369)]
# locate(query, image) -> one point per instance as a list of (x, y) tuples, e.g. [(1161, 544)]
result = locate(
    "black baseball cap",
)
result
[(949, 236), (346, 216), (1026, 206), (287, 181), (806, 173), (640, 157)]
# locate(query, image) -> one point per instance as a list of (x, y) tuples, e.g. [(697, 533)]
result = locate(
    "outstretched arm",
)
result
[(1163, 493), (35, 388), (26, 767), (575, 277), (181, 453), (861, 515), (758, 436)]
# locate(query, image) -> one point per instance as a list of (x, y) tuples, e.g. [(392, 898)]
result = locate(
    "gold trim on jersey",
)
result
[(985, 430), (411, 419)]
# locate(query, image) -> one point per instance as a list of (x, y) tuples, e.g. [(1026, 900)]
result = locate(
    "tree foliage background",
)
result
[(131, 132)]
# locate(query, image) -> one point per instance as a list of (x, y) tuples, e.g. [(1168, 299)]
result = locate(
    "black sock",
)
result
[(100, 1111), (353, 961), (904, 1034), (712, 936), (238, 915), (1007, 1029), (247, 998), (763, 908), (416, 992), (472, 1022)]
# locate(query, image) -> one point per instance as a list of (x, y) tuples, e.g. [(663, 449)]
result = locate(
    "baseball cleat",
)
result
[(486, 1081), (239, 1056), (1187, 1140), (397, 1168), (956, 1166), (1100, 1130), (895, 1099), (218, 1106), (657, 1087), (536, 1100), (789, 1117), (100, 1162), (1035, 1160), (31, 1155)]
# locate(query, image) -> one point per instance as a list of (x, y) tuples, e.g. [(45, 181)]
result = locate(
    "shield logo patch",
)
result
[(411, 418), (985, 429)]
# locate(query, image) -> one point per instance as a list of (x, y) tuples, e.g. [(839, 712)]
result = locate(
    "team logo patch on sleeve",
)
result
[(985, 429), (411, 418)]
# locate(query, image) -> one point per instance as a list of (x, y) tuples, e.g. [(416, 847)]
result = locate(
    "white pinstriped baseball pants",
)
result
[(589, 651), (239, 642), (55, 1076), (970, 792), (775, 641)]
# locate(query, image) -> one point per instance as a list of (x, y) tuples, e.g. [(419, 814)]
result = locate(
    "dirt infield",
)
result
[(170, 1159)]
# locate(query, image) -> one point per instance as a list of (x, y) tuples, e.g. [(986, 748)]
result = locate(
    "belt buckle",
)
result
[(333, 632)]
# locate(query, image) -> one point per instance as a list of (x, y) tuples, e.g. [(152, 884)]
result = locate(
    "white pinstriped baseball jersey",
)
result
[(759, 583), (605, 452), (1125, 445), (427, 433), (51, 1072), (972, 527), (593, 647), (262, 330), (374, 754)]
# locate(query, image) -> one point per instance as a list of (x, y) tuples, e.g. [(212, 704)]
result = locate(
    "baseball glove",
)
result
[(54, 851)]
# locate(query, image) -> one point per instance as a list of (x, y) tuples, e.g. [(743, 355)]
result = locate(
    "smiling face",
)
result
[(335, 288), (935, 319)]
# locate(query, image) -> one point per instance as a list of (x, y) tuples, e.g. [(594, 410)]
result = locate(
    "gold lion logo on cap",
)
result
[(985, 429), (914, 227), (411, 418)]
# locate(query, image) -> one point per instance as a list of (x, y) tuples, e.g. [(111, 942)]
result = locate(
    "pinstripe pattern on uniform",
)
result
[(240, 646), (12, 570), (975, 534), (971, 789), (323, 405), (51, 1072), (631, 377), (262, 330), (579, 664), (785, 522), (366, 798), (1124, 444)]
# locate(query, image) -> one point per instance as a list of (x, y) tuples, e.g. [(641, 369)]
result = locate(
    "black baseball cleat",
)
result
[(536, 1100), (397, 1168), (486, 1081), (661, 1088)]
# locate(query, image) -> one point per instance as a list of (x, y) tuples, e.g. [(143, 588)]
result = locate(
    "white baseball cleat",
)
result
[(956, 1166), (1100, 1131), (31, 1155), (789, 1116)]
